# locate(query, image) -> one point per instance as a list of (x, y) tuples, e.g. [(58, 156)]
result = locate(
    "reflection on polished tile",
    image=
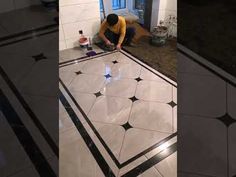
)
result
[(97, 67), (132, 144), (154, 91), (159, 114), (113, 110), (122, 70), (127, 113), (65, 123), (87, 83), (121, 88), (168, 166)]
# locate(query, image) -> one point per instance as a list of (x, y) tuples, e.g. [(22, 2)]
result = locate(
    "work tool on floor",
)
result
[(90, 49)]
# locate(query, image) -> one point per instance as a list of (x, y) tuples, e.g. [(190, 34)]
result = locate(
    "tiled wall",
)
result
[(77, 15), (9, 5)]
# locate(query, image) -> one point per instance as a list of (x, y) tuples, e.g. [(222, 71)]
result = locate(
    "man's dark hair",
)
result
[(112, 19)]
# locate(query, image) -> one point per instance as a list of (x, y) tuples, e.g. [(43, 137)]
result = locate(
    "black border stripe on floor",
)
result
[(206, 67), (91, 126), (32, 115), (152, 161), (100, 54), (28, 32), (27, 38), (32, 150), (71, 62), (103, 142), (147, 67), (142, 60), (107, 171)]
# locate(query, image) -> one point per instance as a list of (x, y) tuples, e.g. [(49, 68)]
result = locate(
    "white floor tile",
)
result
[(154, 91), (87, 83), (168, 166), (121, 70), (113, 110), (121, 88), (75, 157), (97, 67), (151, 116), (113, 136), (132, 145)]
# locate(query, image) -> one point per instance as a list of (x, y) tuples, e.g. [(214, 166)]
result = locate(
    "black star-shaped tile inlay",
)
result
[(226, 119), (78, 73), (138, 79), (107, 76), (172, 104), (98, 94), (133, 99), (115, 62), (126, 126), (39, 57)]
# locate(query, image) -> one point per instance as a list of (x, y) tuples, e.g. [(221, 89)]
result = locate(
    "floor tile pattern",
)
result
[(125, 107)]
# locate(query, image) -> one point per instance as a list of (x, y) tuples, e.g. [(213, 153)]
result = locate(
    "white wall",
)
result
[(9, 5), (161, 9), (77, 15)]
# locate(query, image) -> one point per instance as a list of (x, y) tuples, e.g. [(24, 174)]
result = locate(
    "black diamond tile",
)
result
[(138, 79), (98, 94), (39, 57), (133, 99), (172, 104), (115, 62), (227, 120), (126, 126), (107, 76), (78, 73)]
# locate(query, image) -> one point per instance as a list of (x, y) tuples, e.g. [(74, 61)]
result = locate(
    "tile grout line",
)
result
[(129, 114), (140, 71), (132, 126)]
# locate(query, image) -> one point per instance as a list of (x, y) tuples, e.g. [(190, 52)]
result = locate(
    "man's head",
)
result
[(112, 19)]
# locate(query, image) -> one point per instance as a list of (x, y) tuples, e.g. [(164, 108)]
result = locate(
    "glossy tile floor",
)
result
[(28, 102), (117, 118)]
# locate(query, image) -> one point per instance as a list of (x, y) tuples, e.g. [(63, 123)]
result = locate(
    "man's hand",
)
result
[(108, 42), (118, 47)]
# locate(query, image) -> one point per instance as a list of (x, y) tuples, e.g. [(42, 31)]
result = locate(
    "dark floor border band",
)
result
[(32, 150), (27, 38), (100, 54), (152, 161), (70, 62), (107, 171), (118, 164), (31, 114), (210, 59), (147, 67), (28, 32), (206, 67), (97, 154)]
